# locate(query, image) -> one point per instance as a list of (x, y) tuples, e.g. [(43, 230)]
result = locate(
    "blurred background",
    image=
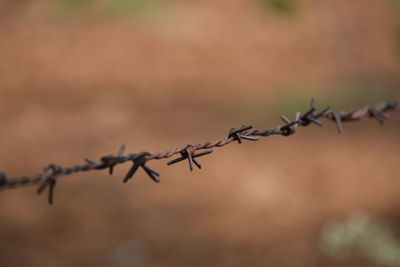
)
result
[(78, 78)]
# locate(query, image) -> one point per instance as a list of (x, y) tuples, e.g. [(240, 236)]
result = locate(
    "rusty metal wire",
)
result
[(53, 172)]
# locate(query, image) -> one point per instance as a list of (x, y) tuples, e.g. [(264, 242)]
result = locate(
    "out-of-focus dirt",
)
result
[(79, 87), (225, 47)]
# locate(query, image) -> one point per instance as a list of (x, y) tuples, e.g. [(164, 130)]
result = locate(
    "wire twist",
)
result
[(53, 172)]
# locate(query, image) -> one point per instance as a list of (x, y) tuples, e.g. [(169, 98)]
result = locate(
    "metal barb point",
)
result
[(109, 161), (338, 121), (121, 150), (312, 103), (91, 162), (380, 116), (112, 161), (323, 112), (51, 182), (286, 120)]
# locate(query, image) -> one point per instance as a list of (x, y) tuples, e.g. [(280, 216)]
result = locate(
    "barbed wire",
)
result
[(53, 172)]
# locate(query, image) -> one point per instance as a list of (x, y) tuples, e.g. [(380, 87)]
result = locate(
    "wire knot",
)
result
[(139, 160), (191, 157), (3, 179), (379, 115), (110, 160), (49, 180), (311, 117), (238, 134), (291, 126)]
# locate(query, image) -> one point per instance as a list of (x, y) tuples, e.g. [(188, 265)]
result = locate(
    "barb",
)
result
[(237, 135), (53, 172), (139, 160), (49, 180), (191, 157)]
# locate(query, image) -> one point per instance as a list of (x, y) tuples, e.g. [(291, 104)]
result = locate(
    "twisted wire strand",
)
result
[(52, 173)]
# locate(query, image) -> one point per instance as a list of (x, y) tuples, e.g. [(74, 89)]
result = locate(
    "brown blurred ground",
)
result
[(75, 86)]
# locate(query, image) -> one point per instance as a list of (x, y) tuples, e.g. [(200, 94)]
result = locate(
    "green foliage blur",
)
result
[(107, 7), (365, 236), (282, 7), (397, 2)]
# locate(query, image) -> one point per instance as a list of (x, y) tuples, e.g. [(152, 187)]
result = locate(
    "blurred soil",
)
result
[(76, 87)]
